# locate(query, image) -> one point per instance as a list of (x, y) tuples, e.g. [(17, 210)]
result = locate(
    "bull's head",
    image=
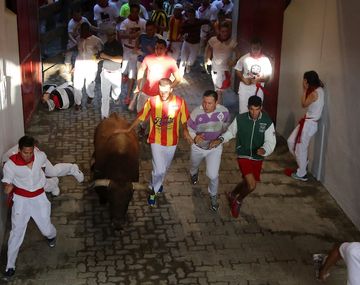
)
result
[(118, 195)]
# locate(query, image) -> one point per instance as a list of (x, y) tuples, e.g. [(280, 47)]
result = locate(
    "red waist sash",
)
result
[(27, 194), (23, 193), (300, 130), (259, 86)]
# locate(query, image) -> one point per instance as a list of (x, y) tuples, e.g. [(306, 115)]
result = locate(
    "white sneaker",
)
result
[(56, 191), (79, 176)]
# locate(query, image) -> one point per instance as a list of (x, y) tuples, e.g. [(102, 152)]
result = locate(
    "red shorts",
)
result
[(248, 166)]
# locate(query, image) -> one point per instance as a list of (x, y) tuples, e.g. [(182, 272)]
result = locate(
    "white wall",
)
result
[(11, 112), (323, 35)]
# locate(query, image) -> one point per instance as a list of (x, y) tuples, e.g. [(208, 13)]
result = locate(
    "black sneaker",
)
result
[(303, 178), (51, 242), (194, 178), (77, 107), (8, 274), (214, 205), (89, 100)]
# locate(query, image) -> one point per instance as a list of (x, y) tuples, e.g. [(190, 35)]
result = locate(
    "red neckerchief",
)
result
[(18, 160), (135, 19)]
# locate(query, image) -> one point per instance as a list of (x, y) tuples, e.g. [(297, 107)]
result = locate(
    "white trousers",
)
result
[(52, 186), (23, 209), (175, 50), (161, 160), (301, 151), (245, 92), (189, 53), (110, 82), (212, 159), (129, 63), (85, 73)]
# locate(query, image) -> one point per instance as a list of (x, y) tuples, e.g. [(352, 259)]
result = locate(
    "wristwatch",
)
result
[(221, 139)]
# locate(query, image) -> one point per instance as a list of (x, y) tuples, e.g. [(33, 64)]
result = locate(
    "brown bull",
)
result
[(115, 166)]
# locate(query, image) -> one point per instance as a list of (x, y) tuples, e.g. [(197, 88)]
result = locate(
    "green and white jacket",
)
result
[(251, 135)]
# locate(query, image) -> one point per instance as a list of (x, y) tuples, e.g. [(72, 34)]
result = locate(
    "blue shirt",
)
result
[(147, 45)]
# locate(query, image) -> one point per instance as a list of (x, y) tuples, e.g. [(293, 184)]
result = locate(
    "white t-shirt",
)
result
[(74, 31), (350, 252), (89, 47), (218, 5), (204, 14), (131, 27), (250, 66), (315, 108), (222, 52), (118, 4), (105, 17)]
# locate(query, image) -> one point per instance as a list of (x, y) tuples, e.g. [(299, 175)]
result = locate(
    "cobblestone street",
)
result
[(181, 241)]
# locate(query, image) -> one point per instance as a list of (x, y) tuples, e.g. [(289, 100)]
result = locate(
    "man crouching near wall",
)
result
[(25, 180)]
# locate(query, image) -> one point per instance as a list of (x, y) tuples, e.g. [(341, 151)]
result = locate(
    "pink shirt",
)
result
[(157, 67)]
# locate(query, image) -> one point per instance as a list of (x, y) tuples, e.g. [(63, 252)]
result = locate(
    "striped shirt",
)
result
[(62, 96), (211, 125), (160, 19), (165, 119)]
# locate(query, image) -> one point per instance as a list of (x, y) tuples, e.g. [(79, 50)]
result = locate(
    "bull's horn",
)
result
[(100, 182)]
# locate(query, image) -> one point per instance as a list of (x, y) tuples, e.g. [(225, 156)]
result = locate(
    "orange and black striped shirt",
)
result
[(174, 34)]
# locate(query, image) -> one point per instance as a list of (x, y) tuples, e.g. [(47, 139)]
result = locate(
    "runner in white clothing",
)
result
[(106, 15), (52, 172), (128, 31), (219, 53), (207, 122), (252, 68), (74, 36), (86, 64), (298, 142), (25, 179)]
